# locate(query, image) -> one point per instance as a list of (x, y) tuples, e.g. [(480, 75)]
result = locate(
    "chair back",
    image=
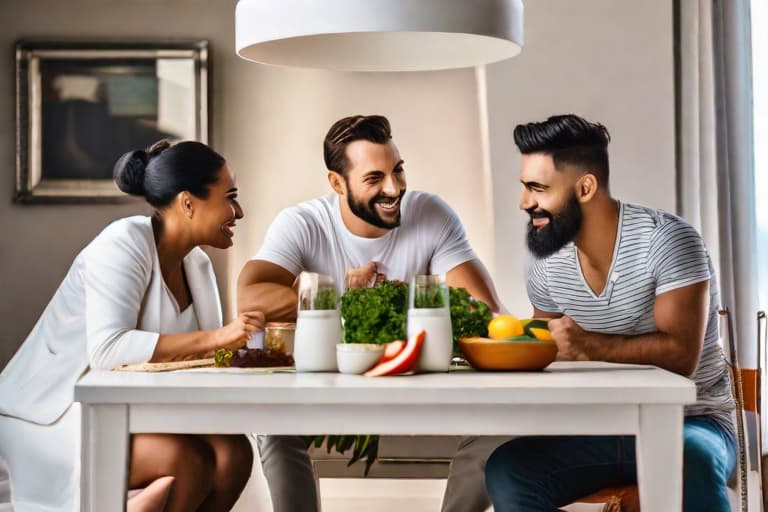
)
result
[(762, 339), (746, 389), (738, 396)]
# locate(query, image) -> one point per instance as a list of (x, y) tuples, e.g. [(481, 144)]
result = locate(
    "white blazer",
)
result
[(105, 313)]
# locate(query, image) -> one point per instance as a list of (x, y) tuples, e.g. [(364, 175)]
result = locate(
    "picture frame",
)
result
[(81, 105)]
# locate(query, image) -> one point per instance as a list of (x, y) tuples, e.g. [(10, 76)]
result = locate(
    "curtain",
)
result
[(716, 179), (716, 159)]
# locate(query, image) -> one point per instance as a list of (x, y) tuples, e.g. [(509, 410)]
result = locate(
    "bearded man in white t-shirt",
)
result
[(368, 229)]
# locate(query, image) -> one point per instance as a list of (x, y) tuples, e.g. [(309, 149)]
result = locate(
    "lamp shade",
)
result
[(378, 35)]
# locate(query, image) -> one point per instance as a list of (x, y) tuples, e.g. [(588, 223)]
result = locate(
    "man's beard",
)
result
[(367, 211), (562, 228)]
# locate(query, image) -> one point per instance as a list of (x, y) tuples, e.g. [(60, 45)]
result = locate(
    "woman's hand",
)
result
[(235, 334)]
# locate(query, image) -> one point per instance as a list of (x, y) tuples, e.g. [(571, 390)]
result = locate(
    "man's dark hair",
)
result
[(569, 139), (344, 131)]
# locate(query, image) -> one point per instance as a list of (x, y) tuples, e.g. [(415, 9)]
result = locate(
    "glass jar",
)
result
[(279, 336), (317, 292), (428, 292)]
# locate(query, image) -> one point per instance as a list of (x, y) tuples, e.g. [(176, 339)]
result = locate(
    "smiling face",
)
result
[(375, 183), (549, 198), (215, 215)]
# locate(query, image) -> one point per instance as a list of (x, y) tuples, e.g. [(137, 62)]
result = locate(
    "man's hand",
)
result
[(363, 277), (570, 338)]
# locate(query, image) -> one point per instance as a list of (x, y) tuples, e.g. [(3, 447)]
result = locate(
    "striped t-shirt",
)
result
[(655, 252)]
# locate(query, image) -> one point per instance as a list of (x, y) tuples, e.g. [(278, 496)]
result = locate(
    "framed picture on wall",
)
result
[(79, 106)]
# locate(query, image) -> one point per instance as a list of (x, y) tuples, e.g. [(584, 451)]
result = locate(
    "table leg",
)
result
[(104, 457), (660, 458)]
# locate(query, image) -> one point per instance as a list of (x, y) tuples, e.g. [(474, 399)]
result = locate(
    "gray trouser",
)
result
[(291, 480)]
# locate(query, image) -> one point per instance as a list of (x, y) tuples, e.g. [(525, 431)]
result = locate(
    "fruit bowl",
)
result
[(520, 353)]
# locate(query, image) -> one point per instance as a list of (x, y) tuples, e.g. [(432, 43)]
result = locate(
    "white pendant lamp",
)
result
[(378, 35)]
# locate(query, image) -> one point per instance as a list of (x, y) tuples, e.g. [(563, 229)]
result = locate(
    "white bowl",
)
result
[(357, 358)]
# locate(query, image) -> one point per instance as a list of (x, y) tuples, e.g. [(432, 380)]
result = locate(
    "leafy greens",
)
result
[(378, 315)]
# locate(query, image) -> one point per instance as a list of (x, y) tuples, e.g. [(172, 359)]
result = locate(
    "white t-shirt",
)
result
[(311, 236)]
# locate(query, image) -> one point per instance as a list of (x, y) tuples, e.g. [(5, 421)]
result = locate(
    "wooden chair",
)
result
[(616, 499), (746, 387), (762, 342)]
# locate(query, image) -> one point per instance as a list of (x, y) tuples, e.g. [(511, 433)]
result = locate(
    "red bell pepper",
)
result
[(404, 361), (391, 350)]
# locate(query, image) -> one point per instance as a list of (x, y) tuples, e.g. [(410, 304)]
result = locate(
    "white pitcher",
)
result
[(317, 333), (318, 324), (437, 350)]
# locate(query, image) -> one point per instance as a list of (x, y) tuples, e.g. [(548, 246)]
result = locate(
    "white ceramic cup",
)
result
[(357, 358)]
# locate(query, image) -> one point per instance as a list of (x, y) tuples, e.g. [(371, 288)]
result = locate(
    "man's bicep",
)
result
[(683, 313), (266, 287), (261, 271), (444, 233)]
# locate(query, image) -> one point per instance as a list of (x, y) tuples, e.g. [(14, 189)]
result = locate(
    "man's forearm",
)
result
[(656, 348), (473, 276), (277, 302)]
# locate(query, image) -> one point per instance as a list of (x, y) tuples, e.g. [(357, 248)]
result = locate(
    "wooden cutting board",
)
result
[(166, 367)]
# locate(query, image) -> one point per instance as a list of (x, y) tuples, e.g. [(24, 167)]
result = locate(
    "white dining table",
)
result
[(565, 399)]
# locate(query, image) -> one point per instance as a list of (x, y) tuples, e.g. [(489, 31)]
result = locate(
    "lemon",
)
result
[(541, 334), (505, 326)]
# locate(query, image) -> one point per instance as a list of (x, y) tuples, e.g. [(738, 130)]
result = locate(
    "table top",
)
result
[(560, 383)]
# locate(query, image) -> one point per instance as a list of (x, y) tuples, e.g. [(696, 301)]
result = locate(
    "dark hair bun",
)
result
[(129, 172), (158, 147), (163, 170)]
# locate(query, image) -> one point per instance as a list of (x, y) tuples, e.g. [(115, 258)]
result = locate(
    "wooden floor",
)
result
[(381, 495), (345, 495)]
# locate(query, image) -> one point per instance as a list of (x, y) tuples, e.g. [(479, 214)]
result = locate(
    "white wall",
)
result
[(435, 125), (39, 242), (610, 60)]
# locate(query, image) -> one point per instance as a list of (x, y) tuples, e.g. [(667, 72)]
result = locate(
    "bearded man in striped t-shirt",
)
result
[(621, 283)]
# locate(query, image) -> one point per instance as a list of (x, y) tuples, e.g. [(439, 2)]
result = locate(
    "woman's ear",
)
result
[(186, 204), (586, 188), (337, 182)]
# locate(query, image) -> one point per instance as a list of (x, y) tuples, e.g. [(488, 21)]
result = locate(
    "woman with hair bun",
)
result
[(141, 291)]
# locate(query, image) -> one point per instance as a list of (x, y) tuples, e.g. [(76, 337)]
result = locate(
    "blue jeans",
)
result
[(540, 474)]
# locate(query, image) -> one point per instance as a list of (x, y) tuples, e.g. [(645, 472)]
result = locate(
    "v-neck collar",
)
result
[(172, 297), (612, 276), (167, 289)]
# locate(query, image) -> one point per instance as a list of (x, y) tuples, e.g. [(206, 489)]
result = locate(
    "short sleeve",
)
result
[(451, 247), (538, 290), (677, 256), (286, 240)]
